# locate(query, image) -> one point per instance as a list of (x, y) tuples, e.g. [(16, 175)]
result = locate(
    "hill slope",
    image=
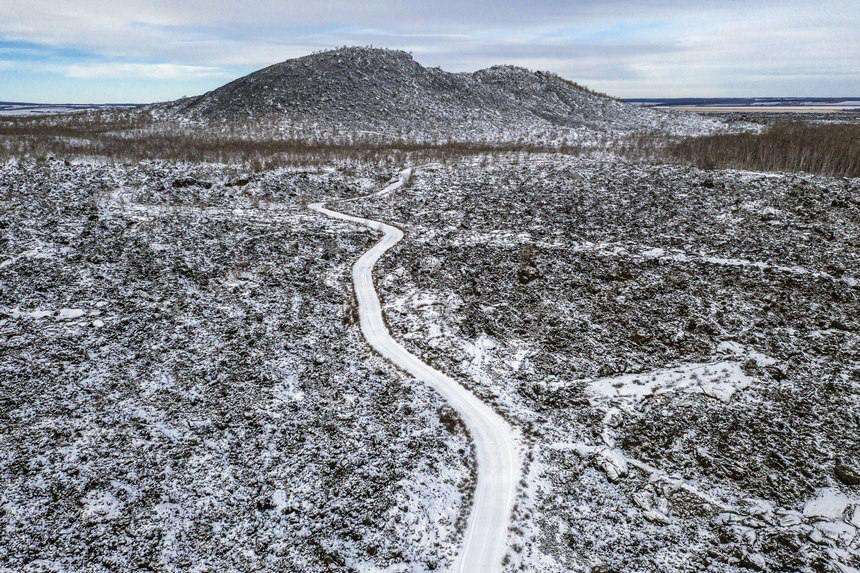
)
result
[(367, 89)]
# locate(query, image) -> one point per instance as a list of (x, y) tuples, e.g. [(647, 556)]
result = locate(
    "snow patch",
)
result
[(718, 380), (101, 506), (70, 313), (287, 390), (17, 313), (829, 503)]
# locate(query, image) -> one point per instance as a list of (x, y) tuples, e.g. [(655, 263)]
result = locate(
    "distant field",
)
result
[(770, 105), (762, 109), (18, 109)]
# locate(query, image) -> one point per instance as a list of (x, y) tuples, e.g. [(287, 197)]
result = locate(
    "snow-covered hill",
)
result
[(369, 89)]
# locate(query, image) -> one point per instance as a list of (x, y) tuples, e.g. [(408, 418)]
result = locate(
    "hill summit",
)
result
[(387, 90)]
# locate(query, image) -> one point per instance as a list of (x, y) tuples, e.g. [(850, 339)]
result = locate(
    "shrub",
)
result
[(135, 136), (827, 149)]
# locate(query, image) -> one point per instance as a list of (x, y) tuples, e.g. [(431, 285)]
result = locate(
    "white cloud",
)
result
[(141, 71), (624, 47)]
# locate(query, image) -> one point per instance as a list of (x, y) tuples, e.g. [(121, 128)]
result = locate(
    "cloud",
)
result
[(150, 71), (117, 70), (625, 47)]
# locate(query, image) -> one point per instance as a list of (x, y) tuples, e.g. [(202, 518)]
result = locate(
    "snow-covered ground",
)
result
[(679, 348), (184, 385)]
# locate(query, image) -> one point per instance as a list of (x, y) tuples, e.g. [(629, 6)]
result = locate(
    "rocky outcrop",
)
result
[(364, 89)]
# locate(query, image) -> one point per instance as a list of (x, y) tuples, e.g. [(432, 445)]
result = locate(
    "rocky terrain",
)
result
[(366, 92), (681, 347), (182, 387)]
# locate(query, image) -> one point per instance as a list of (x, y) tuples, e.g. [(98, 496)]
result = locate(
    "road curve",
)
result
[(497, 448)]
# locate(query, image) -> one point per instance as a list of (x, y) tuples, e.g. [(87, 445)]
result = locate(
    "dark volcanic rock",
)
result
[(183, 182), (847, 474), (359, 88)]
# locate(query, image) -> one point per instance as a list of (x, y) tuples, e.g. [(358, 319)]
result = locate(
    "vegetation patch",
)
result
[(826, 149)]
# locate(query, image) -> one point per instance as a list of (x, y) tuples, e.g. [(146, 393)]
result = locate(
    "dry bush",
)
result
[(827, 149), (135, 136)]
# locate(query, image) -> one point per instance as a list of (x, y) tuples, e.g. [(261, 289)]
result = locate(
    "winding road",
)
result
[(497, 448)]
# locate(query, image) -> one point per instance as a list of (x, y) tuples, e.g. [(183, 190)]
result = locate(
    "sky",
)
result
[(131, 51)]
